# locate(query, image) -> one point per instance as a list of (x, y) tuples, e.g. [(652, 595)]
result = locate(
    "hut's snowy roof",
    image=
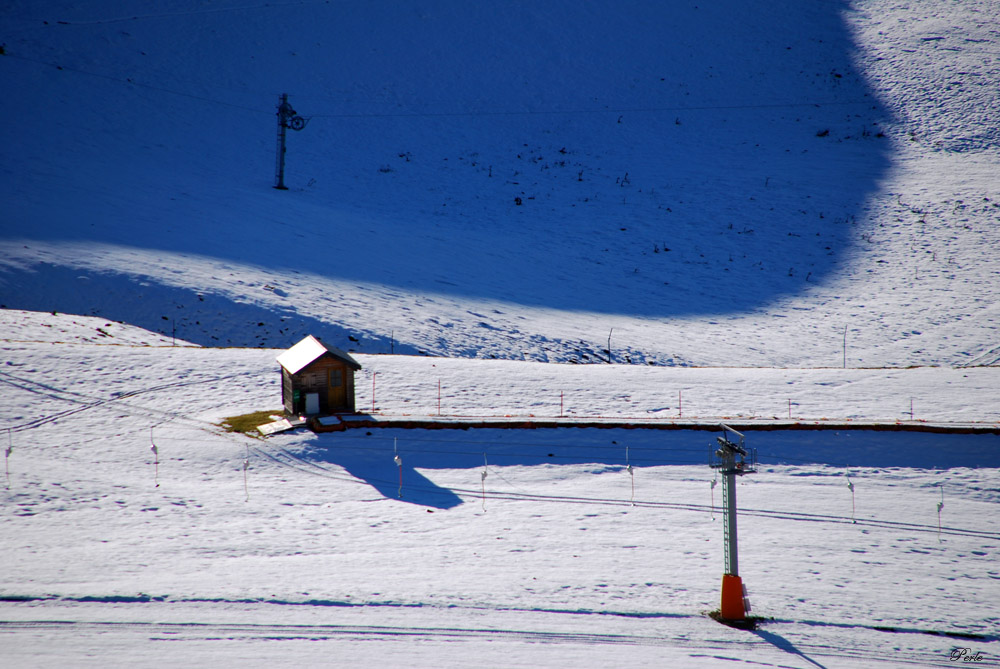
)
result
[(307, 351)]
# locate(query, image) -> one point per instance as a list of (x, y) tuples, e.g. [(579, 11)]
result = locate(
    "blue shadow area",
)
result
[(709, 163), (786, 645), (409, 486), (871, 448), (199, 317), (369, 455)]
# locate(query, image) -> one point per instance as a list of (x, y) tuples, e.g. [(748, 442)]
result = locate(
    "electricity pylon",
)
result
[(732, 459)]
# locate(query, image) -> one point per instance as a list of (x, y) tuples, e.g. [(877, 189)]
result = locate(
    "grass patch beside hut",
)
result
[(248, 422)]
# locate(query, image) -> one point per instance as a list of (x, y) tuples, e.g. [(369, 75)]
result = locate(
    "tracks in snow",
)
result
[(82, 403)]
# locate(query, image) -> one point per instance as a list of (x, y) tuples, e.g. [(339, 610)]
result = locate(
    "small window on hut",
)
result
[(313, 380), (336, 378)]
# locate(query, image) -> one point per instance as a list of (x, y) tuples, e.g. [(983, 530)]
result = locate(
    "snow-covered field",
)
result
[(781, 216), (322, 551)]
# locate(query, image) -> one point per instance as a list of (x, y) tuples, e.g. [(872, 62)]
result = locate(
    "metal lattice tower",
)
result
[(732, 459), (729, 534)]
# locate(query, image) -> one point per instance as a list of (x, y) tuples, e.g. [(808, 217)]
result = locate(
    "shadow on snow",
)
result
[(675, 179), (370, 456)]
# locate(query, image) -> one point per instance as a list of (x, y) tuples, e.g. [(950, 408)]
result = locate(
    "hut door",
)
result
[(336, 393)]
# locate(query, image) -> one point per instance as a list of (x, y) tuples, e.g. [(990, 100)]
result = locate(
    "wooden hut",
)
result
[(316, 378)]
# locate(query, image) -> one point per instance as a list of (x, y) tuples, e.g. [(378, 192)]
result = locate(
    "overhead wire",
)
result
[(85, 403), (284, 458), (606, 110), (190, 12), (501, 453), (767, 458), (472, 493), (130, 81)]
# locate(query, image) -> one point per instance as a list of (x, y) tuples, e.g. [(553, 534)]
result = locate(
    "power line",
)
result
[(607, 110), (462, 114), (86, 402), (130, 82), (217, 10), (772, 458), (489, 442), (781, 515)]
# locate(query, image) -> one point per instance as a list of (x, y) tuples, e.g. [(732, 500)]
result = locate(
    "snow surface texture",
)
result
[(710, 186), (218, 545), (811, 184)]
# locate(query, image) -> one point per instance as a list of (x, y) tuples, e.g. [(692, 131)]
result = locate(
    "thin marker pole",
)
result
[(6, 459), (940, 505), (246, 466), (715, 482), (850, 486), (156, 458), (399, 464), (845, 347), (482, 480), (631, 473)]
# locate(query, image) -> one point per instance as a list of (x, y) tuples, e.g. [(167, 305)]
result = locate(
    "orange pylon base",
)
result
[(732, 598)]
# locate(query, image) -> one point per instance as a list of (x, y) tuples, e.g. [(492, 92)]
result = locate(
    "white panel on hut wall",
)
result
[(312, 403)]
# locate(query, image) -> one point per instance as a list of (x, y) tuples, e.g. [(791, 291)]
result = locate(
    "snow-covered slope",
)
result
[(61, 352), (707, 185), (805, 186), (318, 550)]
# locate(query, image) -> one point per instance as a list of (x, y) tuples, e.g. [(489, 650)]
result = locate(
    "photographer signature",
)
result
[(965, 655)]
